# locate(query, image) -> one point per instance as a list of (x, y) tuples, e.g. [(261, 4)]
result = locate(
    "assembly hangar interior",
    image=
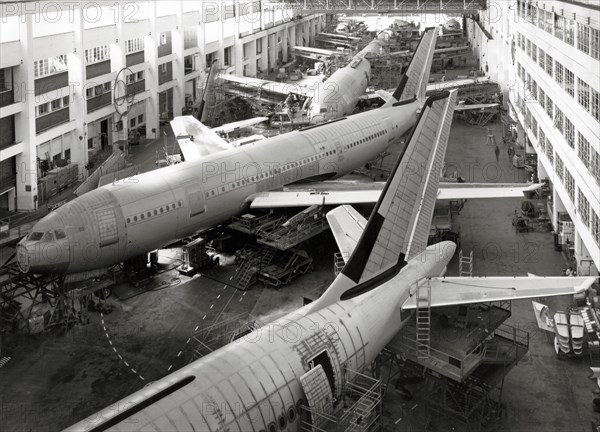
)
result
[(183, 184)]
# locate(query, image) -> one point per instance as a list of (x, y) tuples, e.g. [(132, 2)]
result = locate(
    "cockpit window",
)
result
[(60, 234), (323, 110), (49, 236), (35, 236)]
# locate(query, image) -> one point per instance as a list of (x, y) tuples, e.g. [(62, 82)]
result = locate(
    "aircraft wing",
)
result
[(447, 291), (196, 140), (266, 91), (347, 226), (475, 107), (230, 127), (365, 193)]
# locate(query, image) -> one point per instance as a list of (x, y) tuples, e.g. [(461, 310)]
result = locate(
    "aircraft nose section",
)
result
[(43, 250)]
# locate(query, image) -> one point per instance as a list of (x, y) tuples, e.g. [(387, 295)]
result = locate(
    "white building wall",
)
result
[(31, 31), (504, 21)]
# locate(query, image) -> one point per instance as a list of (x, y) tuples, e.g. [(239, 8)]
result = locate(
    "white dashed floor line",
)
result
[(115, 350)]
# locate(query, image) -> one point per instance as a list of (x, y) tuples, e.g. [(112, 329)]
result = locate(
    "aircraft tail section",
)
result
[(208, 95), (413, 83), (399, 223)]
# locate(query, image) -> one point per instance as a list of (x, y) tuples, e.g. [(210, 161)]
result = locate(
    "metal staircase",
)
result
[(246, 274), (465, 264), (423, 318)]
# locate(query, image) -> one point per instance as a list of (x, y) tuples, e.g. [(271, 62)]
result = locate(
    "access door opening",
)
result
[(324, 360)]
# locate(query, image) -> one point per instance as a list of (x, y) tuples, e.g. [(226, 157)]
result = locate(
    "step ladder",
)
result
[(423, 319), (245, 275), (268, 253), (491, 139), (465, 264)]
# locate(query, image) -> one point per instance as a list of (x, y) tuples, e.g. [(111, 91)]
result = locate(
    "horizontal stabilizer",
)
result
[(196, 140), (230, 127), (450, 291), (347, 225), (338, 193)]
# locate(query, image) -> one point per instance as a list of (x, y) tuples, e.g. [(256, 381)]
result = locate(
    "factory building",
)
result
[(546, 57), (77, 79)]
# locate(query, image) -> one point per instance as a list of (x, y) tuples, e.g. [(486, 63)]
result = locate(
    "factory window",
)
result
[(549, 107), (549, 63), (583, 38), (569, 82), (258, 45), (595, 226), (140, 75), (542, 141), (595, 104), (227, 56), (534, 49), (559, 26), (132, 123), (558, 119), (65, 101), (583, 149), (558, 73), (42, 109), (550, 151), (569, 133), (584, 207), (542, 59), (560, 168), (542, 98), (163, 68), (50, 66), (163, 38), (595, 43), (570, 185), (134, 45), (595, 164), (97, 54), (140, 119), (583, 94), (569, 31)]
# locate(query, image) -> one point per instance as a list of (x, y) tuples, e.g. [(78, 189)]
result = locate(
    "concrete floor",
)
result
[(57, 378)]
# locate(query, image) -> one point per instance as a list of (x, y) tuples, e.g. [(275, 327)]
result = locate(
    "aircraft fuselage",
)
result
[(254, 382), (133, 216)]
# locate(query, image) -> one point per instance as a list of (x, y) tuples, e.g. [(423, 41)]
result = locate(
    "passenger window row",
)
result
[(370, 137), (269, 174), (151, 213)]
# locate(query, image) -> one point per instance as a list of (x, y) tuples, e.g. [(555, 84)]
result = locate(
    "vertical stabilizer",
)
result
[(398, 227), (414, 81), (208, 95)]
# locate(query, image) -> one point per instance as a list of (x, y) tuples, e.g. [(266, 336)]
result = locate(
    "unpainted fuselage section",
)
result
[(149, 211), (254, 382)]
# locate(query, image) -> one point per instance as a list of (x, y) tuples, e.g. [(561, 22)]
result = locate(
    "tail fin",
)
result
[(400, 220), (414, 81), (208, 95)]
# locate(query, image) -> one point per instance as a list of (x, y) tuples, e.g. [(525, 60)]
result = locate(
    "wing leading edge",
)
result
[(448, 291)]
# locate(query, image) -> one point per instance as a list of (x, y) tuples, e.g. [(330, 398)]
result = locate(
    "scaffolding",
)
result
[(297, 229), (360, 410), (220, 333)]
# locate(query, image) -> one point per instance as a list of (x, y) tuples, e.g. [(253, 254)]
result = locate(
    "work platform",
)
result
[(463, 338), (388, 6)]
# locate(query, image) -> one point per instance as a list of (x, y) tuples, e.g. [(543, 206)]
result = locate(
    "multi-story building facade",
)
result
[(546, 56), (77, 77)]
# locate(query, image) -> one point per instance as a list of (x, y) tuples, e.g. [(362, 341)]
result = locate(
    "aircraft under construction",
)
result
[(265, 380), (133, 216)]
